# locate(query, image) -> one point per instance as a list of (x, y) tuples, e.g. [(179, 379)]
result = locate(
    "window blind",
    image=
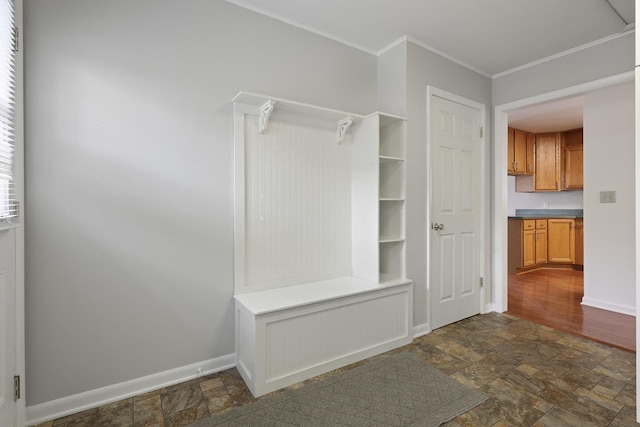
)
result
[(8, 46)]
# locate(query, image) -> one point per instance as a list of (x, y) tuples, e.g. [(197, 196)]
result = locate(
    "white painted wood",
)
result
[(320, 242), (298, 205), (364, 192), (297, 342), (392, 187), (53, 409), (8, 407), (297, 108), (608, 305), (392, 216), (456, 258)]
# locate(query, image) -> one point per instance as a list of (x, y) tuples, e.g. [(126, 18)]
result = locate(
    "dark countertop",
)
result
[(547, 213)]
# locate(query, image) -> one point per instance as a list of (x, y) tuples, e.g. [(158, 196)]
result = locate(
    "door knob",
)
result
[(437, 227)]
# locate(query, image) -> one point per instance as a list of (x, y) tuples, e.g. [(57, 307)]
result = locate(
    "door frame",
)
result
[(500, 205), (431, 92)]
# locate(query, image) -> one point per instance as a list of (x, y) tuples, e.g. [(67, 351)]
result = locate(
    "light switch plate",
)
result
[(607, 197)]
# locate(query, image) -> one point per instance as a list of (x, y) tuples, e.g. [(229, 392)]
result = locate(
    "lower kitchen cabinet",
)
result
[(562, 240), (542, 242)]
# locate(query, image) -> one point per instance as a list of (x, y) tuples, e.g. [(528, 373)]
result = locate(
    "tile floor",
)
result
[(532, 374)]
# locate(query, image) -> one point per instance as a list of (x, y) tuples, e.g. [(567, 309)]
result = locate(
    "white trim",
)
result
[(500, 210), (101, 396), (421, 330), (431, 92), (449, 57), (604, 305), (19, 232), (406, 38), (564, 53), (488, 308), (246, 5)]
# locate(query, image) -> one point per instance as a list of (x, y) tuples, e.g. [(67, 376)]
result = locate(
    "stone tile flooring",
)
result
[(532, 374)]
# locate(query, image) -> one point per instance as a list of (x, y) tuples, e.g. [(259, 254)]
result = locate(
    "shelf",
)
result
[(391, 222), (391, 239), (392, 180), (294, 106), (385, 159), (392, 260), (392, 136)]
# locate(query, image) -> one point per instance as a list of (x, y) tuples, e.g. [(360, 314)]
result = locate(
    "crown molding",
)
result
[(245, 5), (564, 53)]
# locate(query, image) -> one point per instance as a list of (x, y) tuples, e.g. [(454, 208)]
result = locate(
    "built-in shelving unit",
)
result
[(392, 197), (319, 239), (378, 185)]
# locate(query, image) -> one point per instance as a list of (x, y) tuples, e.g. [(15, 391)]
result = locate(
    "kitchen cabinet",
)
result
[(579, 242), (573, 171), (573, 168), (548, 161), (548, 174), (520, 154), (541, 241), (527, 243), (562, 240), (531, 146)]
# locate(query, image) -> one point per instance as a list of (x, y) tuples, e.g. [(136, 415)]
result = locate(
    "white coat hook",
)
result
[(265, 112), (343, 125)]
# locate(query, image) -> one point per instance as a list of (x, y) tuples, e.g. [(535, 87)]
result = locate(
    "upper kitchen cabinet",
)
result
[(573, 172), (557, 162), (548, 166), (519, 153)]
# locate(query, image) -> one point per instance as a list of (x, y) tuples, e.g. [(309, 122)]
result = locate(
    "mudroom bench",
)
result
[(289, 334)]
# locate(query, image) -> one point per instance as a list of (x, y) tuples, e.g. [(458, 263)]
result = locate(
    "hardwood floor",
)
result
[(552, 298)]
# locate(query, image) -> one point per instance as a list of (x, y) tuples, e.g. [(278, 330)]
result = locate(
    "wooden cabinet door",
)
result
[(561, 240), (573, 167), (541, 241), (528, 248), (547, 175), (511, 151), (531, 145), (579, 242), (520, 151)]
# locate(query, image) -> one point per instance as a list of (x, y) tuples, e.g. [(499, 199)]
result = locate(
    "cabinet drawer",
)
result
[(541, 224), (529, 224)]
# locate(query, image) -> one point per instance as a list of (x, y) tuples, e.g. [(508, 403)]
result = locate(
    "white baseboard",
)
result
[(64, 406), (488, 308), (604, 305), (421, 330)]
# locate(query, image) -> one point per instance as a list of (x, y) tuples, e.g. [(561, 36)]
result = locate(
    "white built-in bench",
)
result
[(289, 334)]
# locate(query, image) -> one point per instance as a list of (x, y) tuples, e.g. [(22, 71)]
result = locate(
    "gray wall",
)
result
[(609, 228), (392, 81), (129, 175), (427, 68)]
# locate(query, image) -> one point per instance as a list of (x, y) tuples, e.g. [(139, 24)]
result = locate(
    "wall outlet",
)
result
[(545, 205), (607, 197)]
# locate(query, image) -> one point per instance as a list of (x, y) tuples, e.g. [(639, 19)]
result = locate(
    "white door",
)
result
[(8, 367), (456, 198)]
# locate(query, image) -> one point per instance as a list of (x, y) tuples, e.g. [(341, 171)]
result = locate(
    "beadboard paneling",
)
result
[(298, 204)]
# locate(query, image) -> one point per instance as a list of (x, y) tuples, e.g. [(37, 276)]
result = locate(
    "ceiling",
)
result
[(488, 36), (492, 37)]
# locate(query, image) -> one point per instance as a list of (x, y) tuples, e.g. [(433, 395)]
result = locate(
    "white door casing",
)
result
[(8, 360), (12, 323), (456, 240)]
